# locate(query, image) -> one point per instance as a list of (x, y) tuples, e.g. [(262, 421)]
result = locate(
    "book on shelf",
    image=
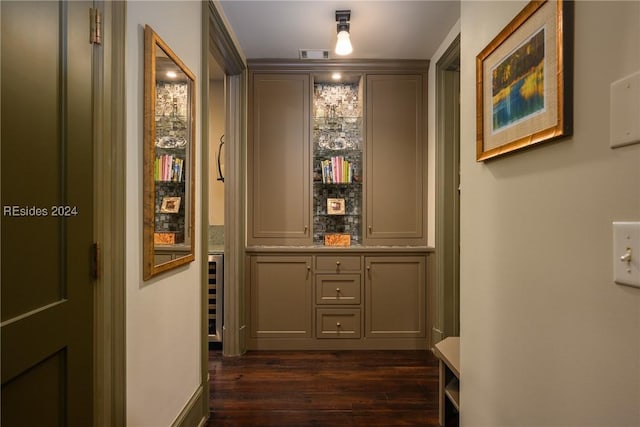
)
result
[(169, 168), (337, 170)]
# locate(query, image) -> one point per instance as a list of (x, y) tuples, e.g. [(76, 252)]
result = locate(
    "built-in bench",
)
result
[(448, 351)]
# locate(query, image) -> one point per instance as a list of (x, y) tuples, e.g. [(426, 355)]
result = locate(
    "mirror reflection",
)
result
[(169, 171)]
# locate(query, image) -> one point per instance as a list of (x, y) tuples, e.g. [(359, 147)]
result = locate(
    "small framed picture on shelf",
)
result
[(170, 205), (335, 207)]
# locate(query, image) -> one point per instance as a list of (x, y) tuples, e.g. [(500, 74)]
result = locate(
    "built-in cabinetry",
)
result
[(395, 296), (278, 174), (448, 351), (341, 162), (395, 179), (302, 299), (280, 296), (338, 296)]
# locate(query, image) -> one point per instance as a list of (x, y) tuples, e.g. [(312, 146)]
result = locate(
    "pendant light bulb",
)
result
[(343, 46)]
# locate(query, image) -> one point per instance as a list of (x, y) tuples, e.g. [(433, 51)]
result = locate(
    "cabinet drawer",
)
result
[(337, 323), (338, 264), (338, 288)]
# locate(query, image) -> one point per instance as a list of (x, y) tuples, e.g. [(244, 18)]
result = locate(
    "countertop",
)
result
[(216, 249)]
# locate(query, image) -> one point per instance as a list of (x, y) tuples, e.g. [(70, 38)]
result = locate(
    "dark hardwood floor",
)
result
[(324, 388)]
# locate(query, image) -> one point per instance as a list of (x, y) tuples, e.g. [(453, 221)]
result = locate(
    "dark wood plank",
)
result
[(324, 388)]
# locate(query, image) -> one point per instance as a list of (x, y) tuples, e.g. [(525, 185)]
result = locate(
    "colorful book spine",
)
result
[(336, 170), (168, 168)]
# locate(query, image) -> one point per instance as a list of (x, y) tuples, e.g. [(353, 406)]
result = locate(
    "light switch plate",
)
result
[(625, 111), (626, 253)]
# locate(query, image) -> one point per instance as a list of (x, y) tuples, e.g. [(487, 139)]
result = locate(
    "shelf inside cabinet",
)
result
[(452, 391), (337, 139)]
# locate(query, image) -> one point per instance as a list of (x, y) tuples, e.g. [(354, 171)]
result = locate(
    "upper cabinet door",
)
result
[(279, 160), (395, 154)]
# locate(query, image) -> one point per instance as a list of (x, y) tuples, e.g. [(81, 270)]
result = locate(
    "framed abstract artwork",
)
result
[(524, 81)]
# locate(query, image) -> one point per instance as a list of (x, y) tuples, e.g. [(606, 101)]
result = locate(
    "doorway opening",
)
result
[(214, 221), (447, 322)]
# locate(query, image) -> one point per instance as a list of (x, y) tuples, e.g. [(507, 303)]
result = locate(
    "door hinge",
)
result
[(95, 261), (95, 26)]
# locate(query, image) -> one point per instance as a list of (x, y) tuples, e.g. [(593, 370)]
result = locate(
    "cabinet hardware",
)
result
[(338, 290), (95, 26), (338, 324), (338, 263)]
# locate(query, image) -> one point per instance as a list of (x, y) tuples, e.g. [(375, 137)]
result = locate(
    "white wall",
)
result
[(163, 314), (216, 129), (547, 338)]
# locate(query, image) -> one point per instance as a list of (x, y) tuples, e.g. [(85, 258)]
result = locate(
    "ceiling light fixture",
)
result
[(343, 45)]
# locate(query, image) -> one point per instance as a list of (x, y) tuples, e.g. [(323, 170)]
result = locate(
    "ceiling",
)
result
[(380, 29)]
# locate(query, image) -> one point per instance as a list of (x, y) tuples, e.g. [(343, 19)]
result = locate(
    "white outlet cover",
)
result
[(626, 239), (625, 111)]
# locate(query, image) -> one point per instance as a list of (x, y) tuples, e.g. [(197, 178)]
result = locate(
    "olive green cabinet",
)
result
[(395, 153), (280, 297), (278, 158), (387, 172), (336, 218), (321, 301), (395, 299), (338, 286)]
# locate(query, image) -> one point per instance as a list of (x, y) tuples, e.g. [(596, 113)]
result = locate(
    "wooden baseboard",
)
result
[(191, 415)]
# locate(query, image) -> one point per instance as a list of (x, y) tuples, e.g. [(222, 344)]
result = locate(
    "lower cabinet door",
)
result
[(338, 323), (395, 296), (281, 295)]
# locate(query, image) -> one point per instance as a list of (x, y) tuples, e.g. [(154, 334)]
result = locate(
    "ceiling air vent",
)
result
[(314, 54)]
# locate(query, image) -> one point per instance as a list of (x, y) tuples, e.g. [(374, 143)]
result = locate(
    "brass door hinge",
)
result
[(95, 261), (95, 26)]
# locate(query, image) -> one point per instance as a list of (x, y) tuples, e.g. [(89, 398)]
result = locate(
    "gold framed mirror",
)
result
[(169, 163)]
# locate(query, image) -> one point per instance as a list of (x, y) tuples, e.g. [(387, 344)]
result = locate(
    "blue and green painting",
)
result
[(518, 84)]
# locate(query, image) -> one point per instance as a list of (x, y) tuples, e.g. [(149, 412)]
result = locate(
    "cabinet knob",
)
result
[(338, 290), (338, 263), (338, 324), (370, 229)]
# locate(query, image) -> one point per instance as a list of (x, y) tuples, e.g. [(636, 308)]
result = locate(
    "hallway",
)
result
[(324, 388)]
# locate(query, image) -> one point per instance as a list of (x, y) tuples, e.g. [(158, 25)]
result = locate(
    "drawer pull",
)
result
[(338, 290), (337, 262), (337, 324)]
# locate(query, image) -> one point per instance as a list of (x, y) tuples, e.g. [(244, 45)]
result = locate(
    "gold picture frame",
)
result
[(335, 206), (524, 81), (170, 205)]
